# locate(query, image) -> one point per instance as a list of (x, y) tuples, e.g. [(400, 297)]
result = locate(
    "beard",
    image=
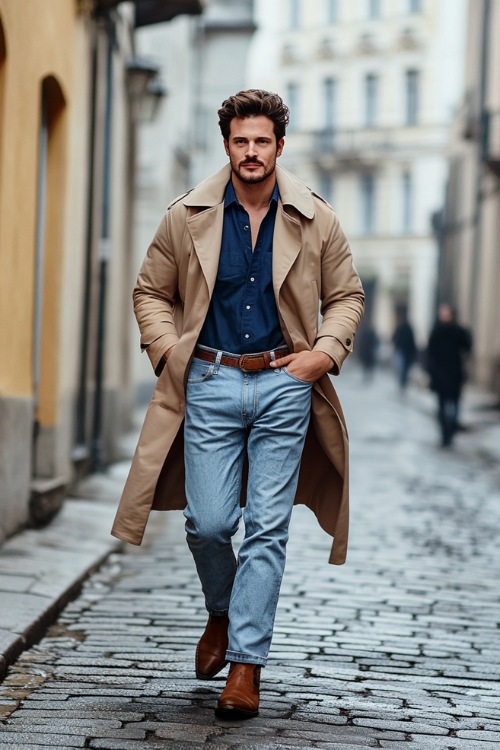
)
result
[(253, 179)]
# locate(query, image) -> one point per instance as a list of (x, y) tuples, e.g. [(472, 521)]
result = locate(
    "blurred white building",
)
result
[(372, 86)]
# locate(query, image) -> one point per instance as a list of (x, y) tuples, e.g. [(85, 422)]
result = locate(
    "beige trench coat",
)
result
[(311, 263)]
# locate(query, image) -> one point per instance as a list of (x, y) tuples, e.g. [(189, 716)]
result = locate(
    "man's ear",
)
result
[(226, 146), (281, 144)]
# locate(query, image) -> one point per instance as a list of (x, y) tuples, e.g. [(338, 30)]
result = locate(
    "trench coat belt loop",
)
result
[(246, 362)]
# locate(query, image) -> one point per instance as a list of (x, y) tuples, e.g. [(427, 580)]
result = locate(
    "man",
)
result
[(227, 302), (449, 344)]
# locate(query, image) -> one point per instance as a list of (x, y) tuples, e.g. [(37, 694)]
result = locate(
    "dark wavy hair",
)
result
[(252, 103)]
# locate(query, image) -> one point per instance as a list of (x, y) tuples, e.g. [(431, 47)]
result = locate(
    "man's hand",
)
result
[(309, 366)]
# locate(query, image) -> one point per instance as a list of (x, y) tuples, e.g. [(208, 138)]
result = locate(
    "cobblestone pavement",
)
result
[(398, 648)]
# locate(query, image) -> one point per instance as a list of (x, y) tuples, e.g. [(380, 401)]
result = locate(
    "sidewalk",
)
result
[(42, 570)]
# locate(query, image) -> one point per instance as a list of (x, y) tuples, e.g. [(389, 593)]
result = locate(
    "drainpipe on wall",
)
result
[(97, 462), (80, 453)]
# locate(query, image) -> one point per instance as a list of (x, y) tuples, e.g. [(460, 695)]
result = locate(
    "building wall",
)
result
[(38, 58), (485, 307), (336, 150), (46, 115), (28, 60), (469, 232)]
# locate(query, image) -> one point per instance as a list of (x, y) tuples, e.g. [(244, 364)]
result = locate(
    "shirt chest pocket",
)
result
[(232, 263)]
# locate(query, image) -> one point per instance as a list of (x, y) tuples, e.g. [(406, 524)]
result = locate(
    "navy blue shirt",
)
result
[(242, 317)]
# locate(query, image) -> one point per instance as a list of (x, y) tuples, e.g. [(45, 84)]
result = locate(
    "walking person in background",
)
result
[(244, 409), (449, 344), (405, 349)]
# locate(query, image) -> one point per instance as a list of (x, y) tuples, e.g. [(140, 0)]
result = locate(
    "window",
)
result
[(292, 101), (407, 190), (412, 85), (332, 11), (367, 203), (415, 6), (374, 8), (330, 103), (294, 9), (371, 99)]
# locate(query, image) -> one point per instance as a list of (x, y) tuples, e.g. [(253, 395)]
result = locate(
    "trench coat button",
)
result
[(348, 342)]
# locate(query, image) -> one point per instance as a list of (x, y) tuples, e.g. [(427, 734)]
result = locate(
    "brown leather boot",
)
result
[(211, 650), (240, 697)]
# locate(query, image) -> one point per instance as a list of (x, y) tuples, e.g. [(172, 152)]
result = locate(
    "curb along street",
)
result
[(41, 570)]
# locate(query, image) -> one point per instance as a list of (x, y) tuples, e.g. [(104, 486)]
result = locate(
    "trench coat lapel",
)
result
[(205, 229), (287, 232), (205, 225), (286, 246)]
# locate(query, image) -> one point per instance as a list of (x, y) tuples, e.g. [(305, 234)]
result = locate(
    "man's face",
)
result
[(252, 148)]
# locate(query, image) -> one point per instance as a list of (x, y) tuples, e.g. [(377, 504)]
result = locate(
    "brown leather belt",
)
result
[(246, 362)]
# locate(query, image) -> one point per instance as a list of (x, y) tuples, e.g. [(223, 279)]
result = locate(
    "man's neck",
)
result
[(256, 196)]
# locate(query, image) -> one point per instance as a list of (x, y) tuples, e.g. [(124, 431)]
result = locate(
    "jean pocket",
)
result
[(200, 371), (297, 380)]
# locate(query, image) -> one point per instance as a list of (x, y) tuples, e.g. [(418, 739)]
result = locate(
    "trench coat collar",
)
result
[(293, 192)]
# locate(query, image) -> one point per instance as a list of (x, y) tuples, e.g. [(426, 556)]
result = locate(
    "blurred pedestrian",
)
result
[(367, 348), (405, 349), (449, 344), (227, 302)]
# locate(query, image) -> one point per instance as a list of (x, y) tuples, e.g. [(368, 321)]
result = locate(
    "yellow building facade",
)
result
[(57, 68), (71, 94), (37, 90)]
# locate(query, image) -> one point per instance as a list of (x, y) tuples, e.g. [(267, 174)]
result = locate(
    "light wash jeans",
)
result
[(230, 413)]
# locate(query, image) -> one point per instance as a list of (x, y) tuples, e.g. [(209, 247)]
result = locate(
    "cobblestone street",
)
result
[(398, 648)]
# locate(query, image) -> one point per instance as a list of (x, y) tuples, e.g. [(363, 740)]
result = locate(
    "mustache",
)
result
[(252, 161)]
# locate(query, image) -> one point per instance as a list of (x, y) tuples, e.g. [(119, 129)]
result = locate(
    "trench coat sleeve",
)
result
[(342, 298), (156, 294)]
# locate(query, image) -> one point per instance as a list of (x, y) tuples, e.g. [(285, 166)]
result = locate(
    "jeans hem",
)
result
[(237, 656), (217, 612)]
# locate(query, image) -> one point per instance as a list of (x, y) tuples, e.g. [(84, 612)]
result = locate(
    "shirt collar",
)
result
[(230, 195)]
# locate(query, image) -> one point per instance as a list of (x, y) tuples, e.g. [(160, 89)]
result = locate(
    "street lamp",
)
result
[(151, 101), (144, 88)]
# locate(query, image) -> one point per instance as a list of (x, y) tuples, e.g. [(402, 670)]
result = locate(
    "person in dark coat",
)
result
[(449, 344), (403, 341)]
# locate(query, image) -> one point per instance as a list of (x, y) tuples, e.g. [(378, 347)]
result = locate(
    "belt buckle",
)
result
[(247, 358)]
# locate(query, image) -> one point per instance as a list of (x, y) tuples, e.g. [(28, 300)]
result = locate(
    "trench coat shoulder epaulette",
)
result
[(322, 199), (179, 198)]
